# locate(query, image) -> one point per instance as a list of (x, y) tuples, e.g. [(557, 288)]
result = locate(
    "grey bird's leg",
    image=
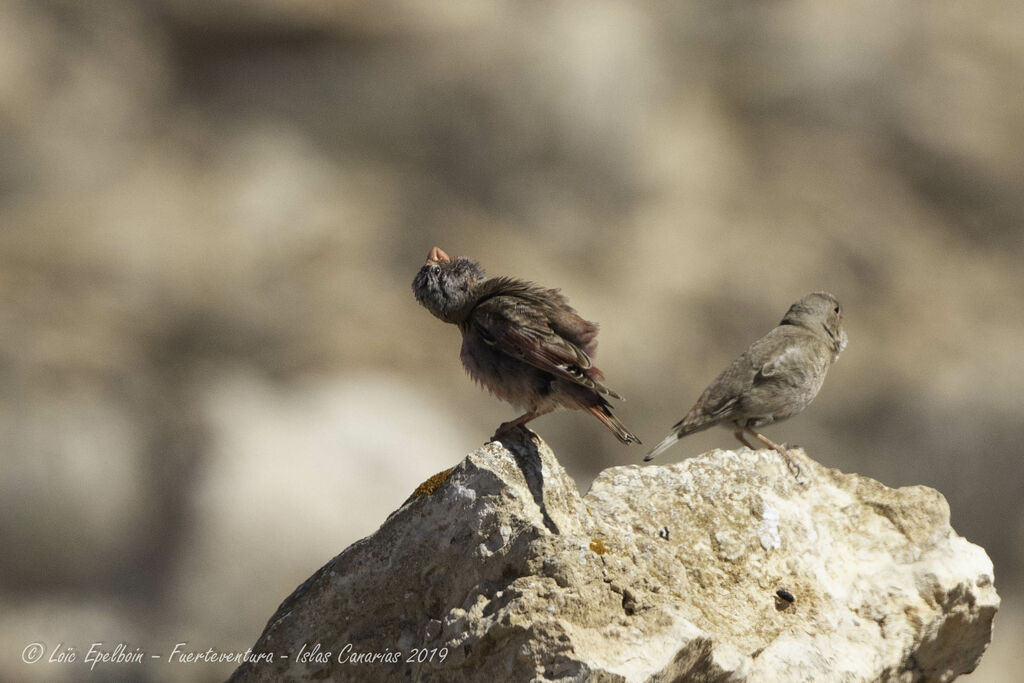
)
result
[(793, 466), (739, 435)]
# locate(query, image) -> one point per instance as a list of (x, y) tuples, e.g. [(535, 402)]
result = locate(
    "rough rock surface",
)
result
[(505, 573)]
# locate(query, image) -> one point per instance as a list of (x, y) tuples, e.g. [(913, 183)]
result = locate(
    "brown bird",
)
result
[(774, 379), (523, 343)]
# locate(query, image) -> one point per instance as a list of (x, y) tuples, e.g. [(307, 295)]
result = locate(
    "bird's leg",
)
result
[(739, 435), (766, 441), (790, 463), (506, 427)]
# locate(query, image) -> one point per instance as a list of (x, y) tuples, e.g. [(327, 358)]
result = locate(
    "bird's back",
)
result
[(518, 328), (773, 379), (789, 373)]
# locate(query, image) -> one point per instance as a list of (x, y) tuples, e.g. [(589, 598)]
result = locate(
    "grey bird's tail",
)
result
[(693, 422), (665, 444)]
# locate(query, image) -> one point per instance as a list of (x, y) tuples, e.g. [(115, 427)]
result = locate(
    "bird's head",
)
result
[(821, 313), (444, 286)]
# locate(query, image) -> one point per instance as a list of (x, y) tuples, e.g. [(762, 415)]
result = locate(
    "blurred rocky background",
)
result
[(214, 376)]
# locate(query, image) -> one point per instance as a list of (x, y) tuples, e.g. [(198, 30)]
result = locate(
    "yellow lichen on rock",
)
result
[(431, 485)]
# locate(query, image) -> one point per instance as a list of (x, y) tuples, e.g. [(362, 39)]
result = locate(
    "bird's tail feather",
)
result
[(665, 444), (604, 414), (684, 427)]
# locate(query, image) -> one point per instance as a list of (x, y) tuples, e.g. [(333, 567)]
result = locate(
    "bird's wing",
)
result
[(716, 404), (787, 363), (522, 330), (721, 398)]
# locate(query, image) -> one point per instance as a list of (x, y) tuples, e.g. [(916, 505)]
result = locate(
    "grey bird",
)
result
[(774, 379), (523, 343)]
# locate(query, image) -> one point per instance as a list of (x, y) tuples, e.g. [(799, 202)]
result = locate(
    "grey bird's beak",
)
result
[(436, 255)]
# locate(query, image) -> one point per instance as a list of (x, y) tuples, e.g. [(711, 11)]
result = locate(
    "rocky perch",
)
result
[(724, 567)]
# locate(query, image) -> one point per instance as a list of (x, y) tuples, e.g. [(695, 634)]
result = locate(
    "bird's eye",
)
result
[(836, 309), (435, 269)]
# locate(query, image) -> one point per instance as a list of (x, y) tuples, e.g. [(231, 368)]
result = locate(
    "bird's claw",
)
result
[(791, 463)]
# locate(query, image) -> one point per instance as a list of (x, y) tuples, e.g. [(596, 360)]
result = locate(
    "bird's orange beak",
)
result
[(436, 255)]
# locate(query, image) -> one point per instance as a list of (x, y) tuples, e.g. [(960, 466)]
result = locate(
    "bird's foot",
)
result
[(506, 429), (511, 429), (780, 448), (791, 463)]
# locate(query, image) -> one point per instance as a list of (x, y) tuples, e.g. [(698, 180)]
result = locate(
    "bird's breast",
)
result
[(510, 379)]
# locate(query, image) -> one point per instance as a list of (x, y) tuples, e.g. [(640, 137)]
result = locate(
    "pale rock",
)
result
[(657, 574)]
